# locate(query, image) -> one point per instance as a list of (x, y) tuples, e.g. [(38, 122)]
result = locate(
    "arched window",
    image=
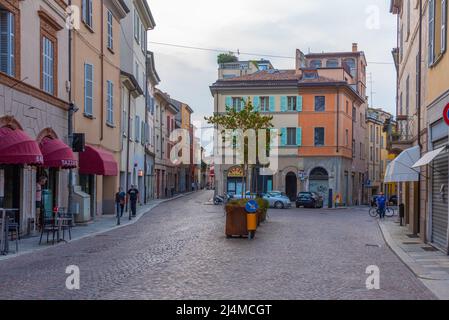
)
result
[(315, 64), (332, 63), (319, 174)]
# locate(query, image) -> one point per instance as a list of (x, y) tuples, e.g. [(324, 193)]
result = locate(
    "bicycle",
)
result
[(374, 212)]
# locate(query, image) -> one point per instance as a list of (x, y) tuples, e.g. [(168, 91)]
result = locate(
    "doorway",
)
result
[(319, 182), (291, 186)]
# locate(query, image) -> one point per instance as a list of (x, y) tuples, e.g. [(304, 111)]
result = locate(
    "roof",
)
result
[(267, 75), (151, 68)]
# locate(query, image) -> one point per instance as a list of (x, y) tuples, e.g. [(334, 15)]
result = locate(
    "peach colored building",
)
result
[(96, 92)]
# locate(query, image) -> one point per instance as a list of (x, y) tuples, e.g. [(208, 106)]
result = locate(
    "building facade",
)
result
[(134, 103), (95, 82), (34, 104), (312, 107)]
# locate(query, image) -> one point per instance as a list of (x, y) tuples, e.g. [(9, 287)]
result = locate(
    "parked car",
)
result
[(393, 200), (278, 200), (309, 200)]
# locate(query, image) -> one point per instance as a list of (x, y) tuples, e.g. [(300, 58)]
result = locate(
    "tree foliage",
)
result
[(226, 57)]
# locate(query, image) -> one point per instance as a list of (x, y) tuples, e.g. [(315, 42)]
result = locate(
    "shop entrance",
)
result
[(10, 187), (87, 184), (319, 182), (291, 186)]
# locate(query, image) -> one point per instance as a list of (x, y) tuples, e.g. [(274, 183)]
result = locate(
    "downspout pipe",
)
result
[(72, 110), (102, 73), (419, 84)]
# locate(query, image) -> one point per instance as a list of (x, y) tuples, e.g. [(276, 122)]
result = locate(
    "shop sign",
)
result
[(236, 172), (446, 114), (69, 163)]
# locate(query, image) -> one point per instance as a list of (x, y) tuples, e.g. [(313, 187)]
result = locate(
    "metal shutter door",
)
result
[(439, 202)]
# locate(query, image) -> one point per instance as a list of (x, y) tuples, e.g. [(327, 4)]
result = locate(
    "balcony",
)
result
[(404, 134)]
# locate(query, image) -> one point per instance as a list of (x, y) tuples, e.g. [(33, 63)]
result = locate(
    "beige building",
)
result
[(96, 92), (242, 68), (34, 99)]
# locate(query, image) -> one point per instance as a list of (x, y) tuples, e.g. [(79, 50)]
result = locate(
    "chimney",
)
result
[(355, 47)]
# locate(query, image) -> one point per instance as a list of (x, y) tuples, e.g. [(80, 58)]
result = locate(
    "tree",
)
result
[(245, 119), (226, 57)]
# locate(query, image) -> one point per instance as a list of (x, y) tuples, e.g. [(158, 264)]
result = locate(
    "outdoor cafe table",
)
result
[(4, 220)]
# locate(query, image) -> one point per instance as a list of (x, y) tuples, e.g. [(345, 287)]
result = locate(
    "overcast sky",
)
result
[(267, 27)]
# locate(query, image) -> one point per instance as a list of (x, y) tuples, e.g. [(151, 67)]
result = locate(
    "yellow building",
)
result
[(96, 92)]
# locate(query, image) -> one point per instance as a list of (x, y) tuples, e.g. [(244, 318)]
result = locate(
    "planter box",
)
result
[(236, 224)]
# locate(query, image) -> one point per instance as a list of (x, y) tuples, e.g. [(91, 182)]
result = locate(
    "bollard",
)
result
[(401, 213)]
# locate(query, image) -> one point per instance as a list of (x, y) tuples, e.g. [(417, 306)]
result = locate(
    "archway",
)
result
[(291, 187), (319, 182)]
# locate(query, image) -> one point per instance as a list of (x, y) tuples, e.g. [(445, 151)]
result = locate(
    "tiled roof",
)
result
[(267, 75)]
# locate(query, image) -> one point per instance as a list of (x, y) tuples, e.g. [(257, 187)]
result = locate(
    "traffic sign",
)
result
[(446, 114)]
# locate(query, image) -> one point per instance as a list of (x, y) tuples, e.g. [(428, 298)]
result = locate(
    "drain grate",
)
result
[(429, 249)]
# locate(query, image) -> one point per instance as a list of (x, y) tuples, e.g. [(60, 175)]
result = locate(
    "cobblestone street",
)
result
[(179, 251)]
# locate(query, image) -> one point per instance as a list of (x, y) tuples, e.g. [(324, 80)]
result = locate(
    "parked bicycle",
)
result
[(374, 212)]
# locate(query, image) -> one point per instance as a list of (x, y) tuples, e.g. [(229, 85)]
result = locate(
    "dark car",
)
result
[(309, 200), (393, 200)]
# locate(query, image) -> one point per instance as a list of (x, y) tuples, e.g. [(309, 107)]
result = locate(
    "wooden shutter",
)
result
[(299, 136), (228, 102), (284, 102), (299, 103), (256, 103), (88, 88), (283, 136), (272, 104)]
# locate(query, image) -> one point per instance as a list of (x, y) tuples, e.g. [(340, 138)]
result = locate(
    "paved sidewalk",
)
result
[(100, 225), (428, 264)]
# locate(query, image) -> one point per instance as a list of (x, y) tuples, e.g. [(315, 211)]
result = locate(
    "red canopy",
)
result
[(98, 161), (16, 147), (57, 154)]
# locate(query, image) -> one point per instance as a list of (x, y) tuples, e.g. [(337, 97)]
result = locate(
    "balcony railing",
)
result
[(405, 129)]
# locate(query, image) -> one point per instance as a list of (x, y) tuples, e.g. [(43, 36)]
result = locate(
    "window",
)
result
[(237, 104), (7, 46), (110, 30), (124, 123), (332, 63), (291, 136), (110, 102), (320, 103), (354, 114), (354, 151), (136, 26), (137, 72), (361, 151), (315, 64), (310, 75), (350, 62), (377, 135), (291, 103), (143, 132), (347, 137), (48, 65), (88, 88), (87, 12), (347, 107), (319, 137), (137, 128), (143, 36), (381, 142), (409, 9), (371, 129), (361, 119), (401, 43), (265, 104), (431, 48), (371, 153), (377, 154)]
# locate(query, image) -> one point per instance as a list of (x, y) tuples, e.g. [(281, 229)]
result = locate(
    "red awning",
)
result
[(16, 147), (57, 154), (98, 161)]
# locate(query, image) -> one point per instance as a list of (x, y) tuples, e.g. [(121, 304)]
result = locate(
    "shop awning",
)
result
[(98, 161), (16, 147), (428, 157), (401, 169), (57, 154)]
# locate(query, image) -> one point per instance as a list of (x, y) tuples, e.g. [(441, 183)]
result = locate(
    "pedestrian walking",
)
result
[(381, 205), (193, 186), (120, 198), (39, 209), (133, 197)]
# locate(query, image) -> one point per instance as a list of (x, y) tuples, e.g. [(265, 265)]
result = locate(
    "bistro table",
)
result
[(4, 229)]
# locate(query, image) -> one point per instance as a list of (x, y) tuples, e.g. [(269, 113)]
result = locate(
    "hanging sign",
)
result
[(446, 114), (236, 172)]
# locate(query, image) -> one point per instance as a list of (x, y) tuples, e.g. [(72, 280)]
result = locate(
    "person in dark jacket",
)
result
[(133, 197)]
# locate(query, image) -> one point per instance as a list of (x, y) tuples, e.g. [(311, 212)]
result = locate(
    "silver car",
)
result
[(278, 200)]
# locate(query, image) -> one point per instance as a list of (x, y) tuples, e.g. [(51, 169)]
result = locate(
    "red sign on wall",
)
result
[(446, 114)]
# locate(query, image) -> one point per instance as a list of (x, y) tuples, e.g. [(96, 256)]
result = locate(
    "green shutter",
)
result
[(228, 102), (256, 103), (284, 107), (299, 137), (283, 136), (272, 104), (242, 103), (299, 103)]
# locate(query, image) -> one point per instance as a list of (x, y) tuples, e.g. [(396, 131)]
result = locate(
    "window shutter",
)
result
[(84, 10), (90, 14), (283, 136), (284, 104), (256, 103), (443, 25), (431, 32), (7, 42), (272, 104), (299, 103), (299, 137), (228, 102), (242, 103), (88, 88)]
